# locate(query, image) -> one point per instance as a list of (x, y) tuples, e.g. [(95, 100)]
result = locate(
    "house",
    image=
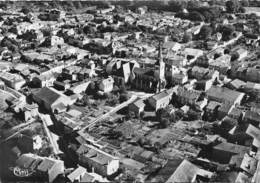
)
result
[(71, 72), (77, 174), (225, 95), (224, 110), (47, 168), (221, 64), (252, 117), (205, 77), (236, 84), (192, 54), (243, 177), (30, 111), (137, 107), (188, 172), (226, 152), (106, 85), (92, 177), (160, 100), (28, 161), (51, 99), (53, 41), (249, 164), (252, 74), (242, 53), (141, 10), (174, 64), (254, 132), (80, 87), (179, 78), (44, 80), (211, 109), (14, 81), (129, 18), (171, 45), (61, 85), (190, 97), (160, 137), (235, 113), (51, 168), (97, 160)]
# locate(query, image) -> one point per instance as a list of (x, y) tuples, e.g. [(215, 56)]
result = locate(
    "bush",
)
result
[(205, 32)]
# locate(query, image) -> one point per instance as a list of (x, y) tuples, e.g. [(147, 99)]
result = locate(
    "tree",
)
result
[(234, 56), (89, 30), (242, 9), (226, 31), (85, 100), (164, 123), (244, 3), (177, 6), (25, 10), (192, 5), (232, 6), (205, 32), (182, 15), (207, 15), (193, 115), (91, 89), (164, 117), (187, 37), (123, 97), (196, 16), (112, 100)]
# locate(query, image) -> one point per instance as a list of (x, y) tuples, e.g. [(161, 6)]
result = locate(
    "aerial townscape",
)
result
[(130, 91)]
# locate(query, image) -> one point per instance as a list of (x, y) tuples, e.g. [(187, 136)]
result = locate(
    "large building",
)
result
[(14, 81), (51, 99), (97, 160)]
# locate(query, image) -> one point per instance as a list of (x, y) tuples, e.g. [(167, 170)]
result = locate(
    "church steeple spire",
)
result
[(161, 67)]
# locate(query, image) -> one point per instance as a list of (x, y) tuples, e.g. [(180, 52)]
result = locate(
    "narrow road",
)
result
[(55, 146)]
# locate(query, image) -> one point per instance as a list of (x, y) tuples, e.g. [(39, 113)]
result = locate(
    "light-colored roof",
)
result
[(186, 172), (223, 94), (132, 163), (232, 148), (160, 95), (254, 132), (46, 165), (77, 173)]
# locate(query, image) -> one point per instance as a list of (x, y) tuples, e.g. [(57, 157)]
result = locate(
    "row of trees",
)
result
[(207, 14)]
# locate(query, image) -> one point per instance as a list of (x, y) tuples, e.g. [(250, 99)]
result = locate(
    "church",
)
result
[(150, 79)]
